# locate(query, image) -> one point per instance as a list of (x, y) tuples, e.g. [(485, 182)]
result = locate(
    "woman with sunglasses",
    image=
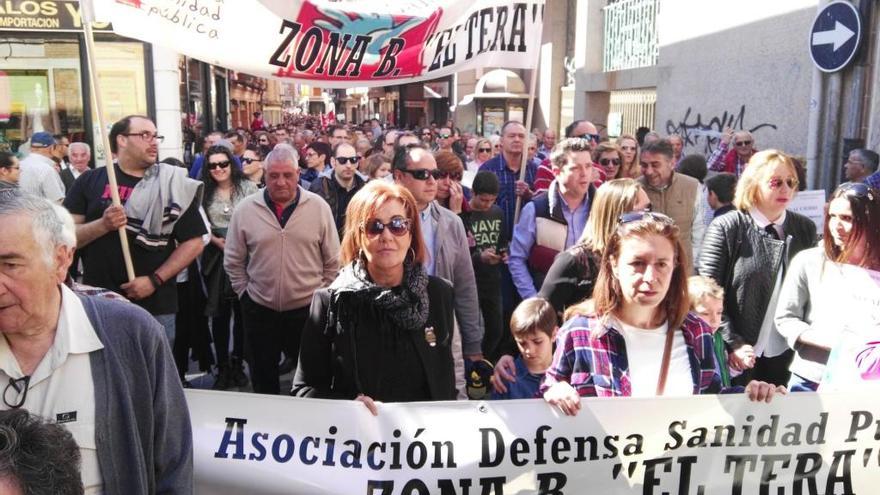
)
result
[(382, 330), (851, 237), (610, 160), (636, 337), (747, 251), (629, 149), (225, 187), (482, 152), (450, 193)]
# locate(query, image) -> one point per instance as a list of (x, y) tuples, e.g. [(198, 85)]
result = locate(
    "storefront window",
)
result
[(121, 81), (40, 90)]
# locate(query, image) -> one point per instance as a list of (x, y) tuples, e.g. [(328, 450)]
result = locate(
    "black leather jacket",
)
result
[(745, 261)]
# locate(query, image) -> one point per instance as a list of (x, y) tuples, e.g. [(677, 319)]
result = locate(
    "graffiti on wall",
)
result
[(703, 133)]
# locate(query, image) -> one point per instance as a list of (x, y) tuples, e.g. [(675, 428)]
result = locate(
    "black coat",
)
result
[(329, 359), (745, 261), (571, 278)]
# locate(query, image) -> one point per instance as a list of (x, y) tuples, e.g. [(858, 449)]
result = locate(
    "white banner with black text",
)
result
[(807, 443)]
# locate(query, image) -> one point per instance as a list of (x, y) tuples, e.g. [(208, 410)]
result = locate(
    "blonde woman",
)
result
[(629, 148), (747, 251), (482, 152)]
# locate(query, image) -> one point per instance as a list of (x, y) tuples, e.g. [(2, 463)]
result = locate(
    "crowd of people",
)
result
[(397, 265)]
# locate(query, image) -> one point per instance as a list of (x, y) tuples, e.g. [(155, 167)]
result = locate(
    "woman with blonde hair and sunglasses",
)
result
[(629, 149), (482, 152), (636, 336), (747, 251), (807, 312), (382, 330)]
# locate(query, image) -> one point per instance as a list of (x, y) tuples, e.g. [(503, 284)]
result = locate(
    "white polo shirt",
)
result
[(61, 388)]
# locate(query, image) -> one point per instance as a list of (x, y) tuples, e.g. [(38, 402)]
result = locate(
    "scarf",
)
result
[(157, 202), (406, 305)]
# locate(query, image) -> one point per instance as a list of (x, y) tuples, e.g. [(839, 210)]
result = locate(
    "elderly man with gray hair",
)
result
[(80, 154), (100, 367), (281, 247)]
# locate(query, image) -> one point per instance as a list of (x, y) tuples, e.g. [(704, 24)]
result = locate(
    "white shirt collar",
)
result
[(73, 335), (763, 221)]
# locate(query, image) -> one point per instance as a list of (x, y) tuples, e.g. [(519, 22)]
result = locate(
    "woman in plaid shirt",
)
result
[(623, 341)]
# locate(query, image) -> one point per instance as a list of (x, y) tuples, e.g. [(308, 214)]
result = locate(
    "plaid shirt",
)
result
[(873, 180), (716, 161), (598, 367), (507, 185)]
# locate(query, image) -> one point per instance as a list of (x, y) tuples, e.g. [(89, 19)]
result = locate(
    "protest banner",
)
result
[(338, 44), (807, 443)]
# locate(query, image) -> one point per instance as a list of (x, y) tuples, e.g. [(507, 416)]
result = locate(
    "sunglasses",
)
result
[(214, 165), (606, 161), (485, 150), (636, 216), (743, 143), (424, 174), (592, 137), (398, 226), (444, 136), (855, 190), (776, 183), (342, 160), (248, 161)]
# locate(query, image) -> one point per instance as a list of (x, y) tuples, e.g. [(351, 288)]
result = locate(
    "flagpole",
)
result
[(102, 135), (533, 81)]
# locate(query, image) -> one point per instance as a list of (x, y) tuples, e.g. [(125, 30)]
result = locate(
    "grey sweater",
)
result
[(142, 427)]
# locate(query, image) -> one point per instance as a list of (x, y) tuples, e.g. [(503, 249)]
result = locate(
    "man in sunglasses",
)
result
[(445, 141), (733, 161), (338, 188), (449, 255), (161, 245)]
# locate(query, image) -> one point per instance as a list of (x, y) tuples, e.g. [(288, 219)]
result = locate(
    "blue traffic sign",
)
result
[(836, 36)]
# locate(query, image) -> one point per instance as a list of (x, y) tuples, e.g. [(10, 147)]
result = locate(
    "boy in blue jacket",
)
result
[(533, 325)]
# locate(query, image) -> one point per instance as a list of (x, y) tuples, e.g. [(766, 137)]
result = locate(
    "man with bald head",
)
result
[(548, 141), (734, 161), (447, 245)]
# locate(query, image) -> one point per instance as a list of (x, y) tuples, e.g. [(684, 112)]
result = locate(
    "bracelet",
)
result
[(156, 280)]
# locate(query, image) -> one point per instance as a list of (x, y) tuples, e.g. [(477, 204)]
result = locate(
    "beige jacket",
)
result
[(281, 268)]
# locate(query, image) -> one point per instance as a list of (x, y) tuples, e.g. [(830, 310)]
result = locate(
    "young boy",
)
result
[(488, 241), (533, 325), (707, 301)]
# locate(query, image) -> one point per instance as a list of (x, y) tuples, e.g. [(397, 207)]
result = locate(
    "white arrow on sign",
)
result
[(838, 36)]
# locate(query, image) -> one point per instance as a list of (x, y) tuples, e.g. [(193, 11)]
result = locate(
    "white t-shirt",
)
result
[(61, 387), (644, 352)]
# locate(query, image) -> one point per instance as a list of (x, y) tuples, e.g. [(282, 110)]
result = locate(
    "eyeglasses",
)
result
[(635, 216), (452, 175), (776, 182), (425, 174), (146, 136), (444, 136), (214, 165), (592, 137), (854, 189), (248, 161), (20, 386), (398, 226), (484, 150), (744, 143), (342, 160), (606, 161)]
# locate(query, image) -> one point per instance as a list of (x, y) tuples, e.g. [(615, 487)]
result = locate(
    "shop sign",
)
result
[(43, 15)]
